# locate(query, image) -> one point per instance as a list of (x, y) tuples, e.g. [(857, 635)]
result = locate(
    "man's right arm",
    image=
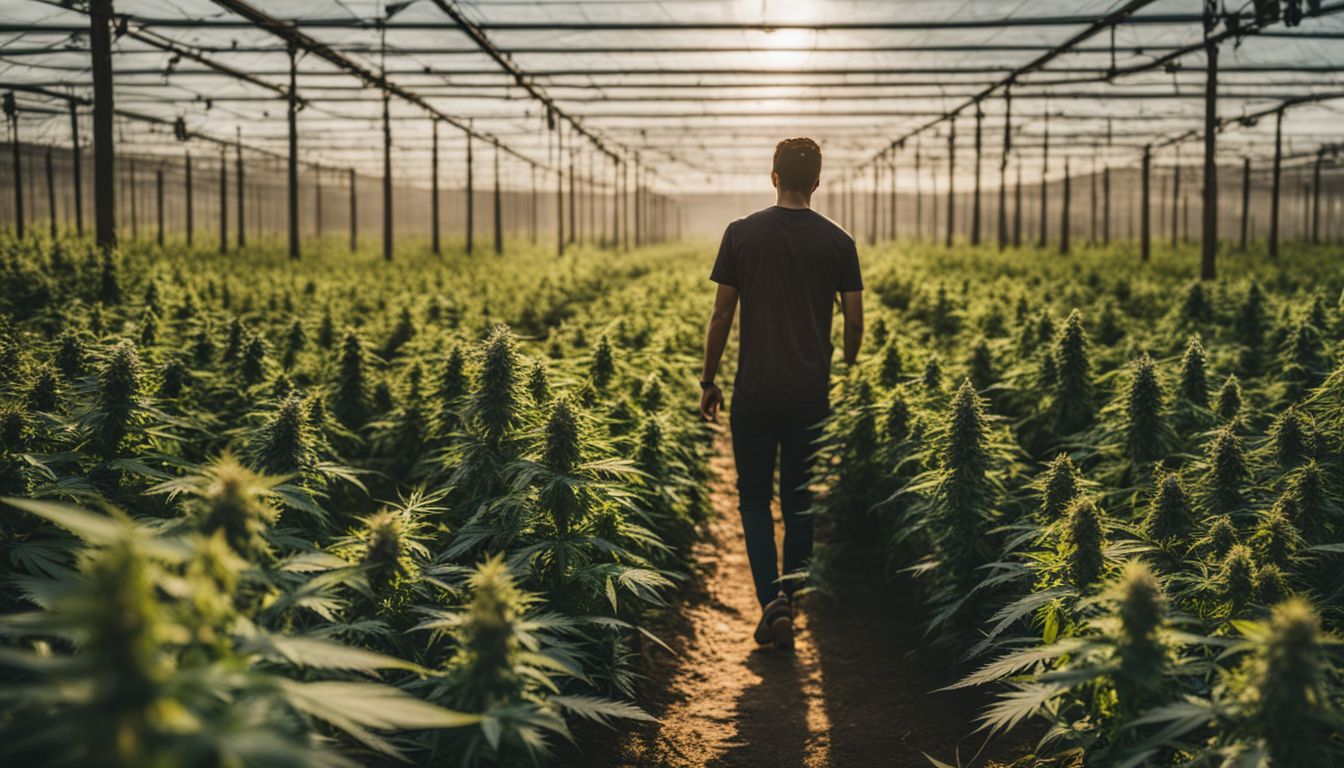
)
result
[(851, 303)]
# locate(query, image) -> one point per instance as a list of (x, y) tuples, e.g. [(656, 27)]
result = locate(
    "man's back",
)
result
[(784, 266), (787, 265)]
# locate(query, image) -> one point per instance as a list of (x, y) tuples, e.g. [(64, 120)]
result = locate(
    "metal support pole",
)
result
[(850, 206), (844, 199), (592, 202), (471, 197), (615, 204), (1145, 213), (919, 199), (387, 179), (104, 179), (435, 243), (1316, 195), (292, 114), (238, 181), (223, 200), (51, 192), (1274, 189), (576, 201), (625, 205), (892, 228), (559, 197), (158, 205), (1176, 200), (1245, 199), (573, 201), (1106, 205), (1306, 214), (639, 229), (78, 170), (559, 194), (532, 206), (1208, 268), (1003, 167), (975, 203), (951, 179), (872, 219), (318, 227), (1065, 214), (1017, 207), (191, 212), (135, 204), (354, 214), (1045, 169), (1092, 208), (12, 115), (499, 211)]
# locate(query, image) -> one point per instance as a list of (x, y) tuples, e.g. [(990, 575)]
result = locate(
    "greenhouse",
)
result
[(348, 383)]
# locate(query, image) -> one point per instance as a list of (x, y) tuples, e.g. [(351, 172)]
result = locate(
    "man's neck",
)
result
[(793, 200)]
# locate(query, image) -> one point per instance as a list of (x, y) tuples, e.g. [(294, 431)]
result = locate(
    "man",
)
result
[(786, 264)]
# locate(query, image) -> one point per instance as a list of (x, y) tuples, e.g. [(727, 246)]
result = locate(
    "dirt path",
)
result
[(854, 693)]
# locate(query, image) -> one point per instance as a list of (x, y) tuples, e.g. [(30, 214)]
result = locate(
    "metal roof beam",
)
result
[(474, 32), (287, 31)]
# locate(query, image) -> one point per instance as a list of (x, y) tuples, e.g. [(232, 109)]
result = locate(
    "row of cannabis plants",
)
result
[(1118, 491), (334, 512)]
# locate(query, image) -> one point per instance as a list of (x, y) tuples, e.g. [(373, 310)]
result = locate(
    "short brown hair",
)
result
[(798, 163)]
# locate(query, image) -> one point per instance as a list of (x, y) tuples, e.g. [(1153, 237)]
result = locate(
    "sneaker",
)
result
[(776, 625)]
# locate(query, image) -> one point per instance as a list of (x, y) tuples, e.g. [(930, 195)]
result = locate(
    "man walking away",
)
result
[(786, 264)]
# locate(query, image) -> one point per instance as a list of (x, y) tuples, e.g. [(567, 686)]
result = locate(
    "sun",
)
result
[(782, 48)]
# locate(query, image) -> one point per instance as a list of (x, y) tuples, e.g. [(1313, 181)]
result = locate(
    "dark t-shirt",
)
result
[(787, 265)]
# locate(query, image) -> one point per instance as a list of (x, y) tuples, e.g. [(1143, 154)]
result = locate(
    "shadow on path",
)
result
[(856, 693)]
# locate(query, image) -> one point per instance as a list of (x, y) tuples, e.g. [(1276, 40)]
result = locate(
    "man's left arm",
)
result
[(851, 303)]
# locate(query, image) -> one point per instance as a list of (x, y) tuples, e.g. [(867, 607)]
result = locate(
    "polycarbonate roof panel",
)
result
[(700, 89)]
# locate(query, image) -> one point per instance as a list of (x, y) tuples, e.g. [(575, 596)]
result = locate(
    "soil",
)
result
[(857, 691)]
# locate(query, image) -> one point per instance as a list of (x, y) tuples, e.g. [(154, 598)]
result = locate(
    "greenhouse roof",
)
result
[(699, 89)]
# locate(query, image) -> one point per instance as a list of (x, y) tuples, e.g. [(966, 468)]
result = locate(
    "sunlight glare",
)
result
[(782, 48)]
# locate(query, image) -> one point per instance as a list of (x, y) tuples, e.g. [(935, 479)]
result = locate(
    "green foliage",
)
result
[(161, 653), (495, 401), (1207, 421), (1284, 698), (116, 401), (604, 363), (1147, 434), (1072, 405), (1141, 605), (1228, 406), (284, 444), (1226, 472), (241, 573), (1170, 517), (1082, 542), (350, 402), (1061, 486)]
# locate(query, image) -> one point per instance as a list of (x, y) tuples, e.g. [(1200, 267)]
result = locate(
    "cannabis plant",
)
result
[(351, 402), (115, 404), (1279, 706), (1071, 407), (505, 664), (137, 658), (1094, 689), (956, 502)]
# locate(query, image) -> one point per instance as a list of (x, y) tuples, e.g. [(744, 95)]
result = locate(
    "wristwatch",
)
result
[(708, 385)]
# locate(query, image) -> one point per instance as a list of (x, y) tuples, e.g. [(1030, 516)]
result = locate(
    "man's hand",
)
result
[(711, 399)]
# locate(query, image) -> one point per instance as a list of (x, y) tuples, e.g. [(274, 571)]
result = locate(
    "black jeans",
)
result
[(758, 433)]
